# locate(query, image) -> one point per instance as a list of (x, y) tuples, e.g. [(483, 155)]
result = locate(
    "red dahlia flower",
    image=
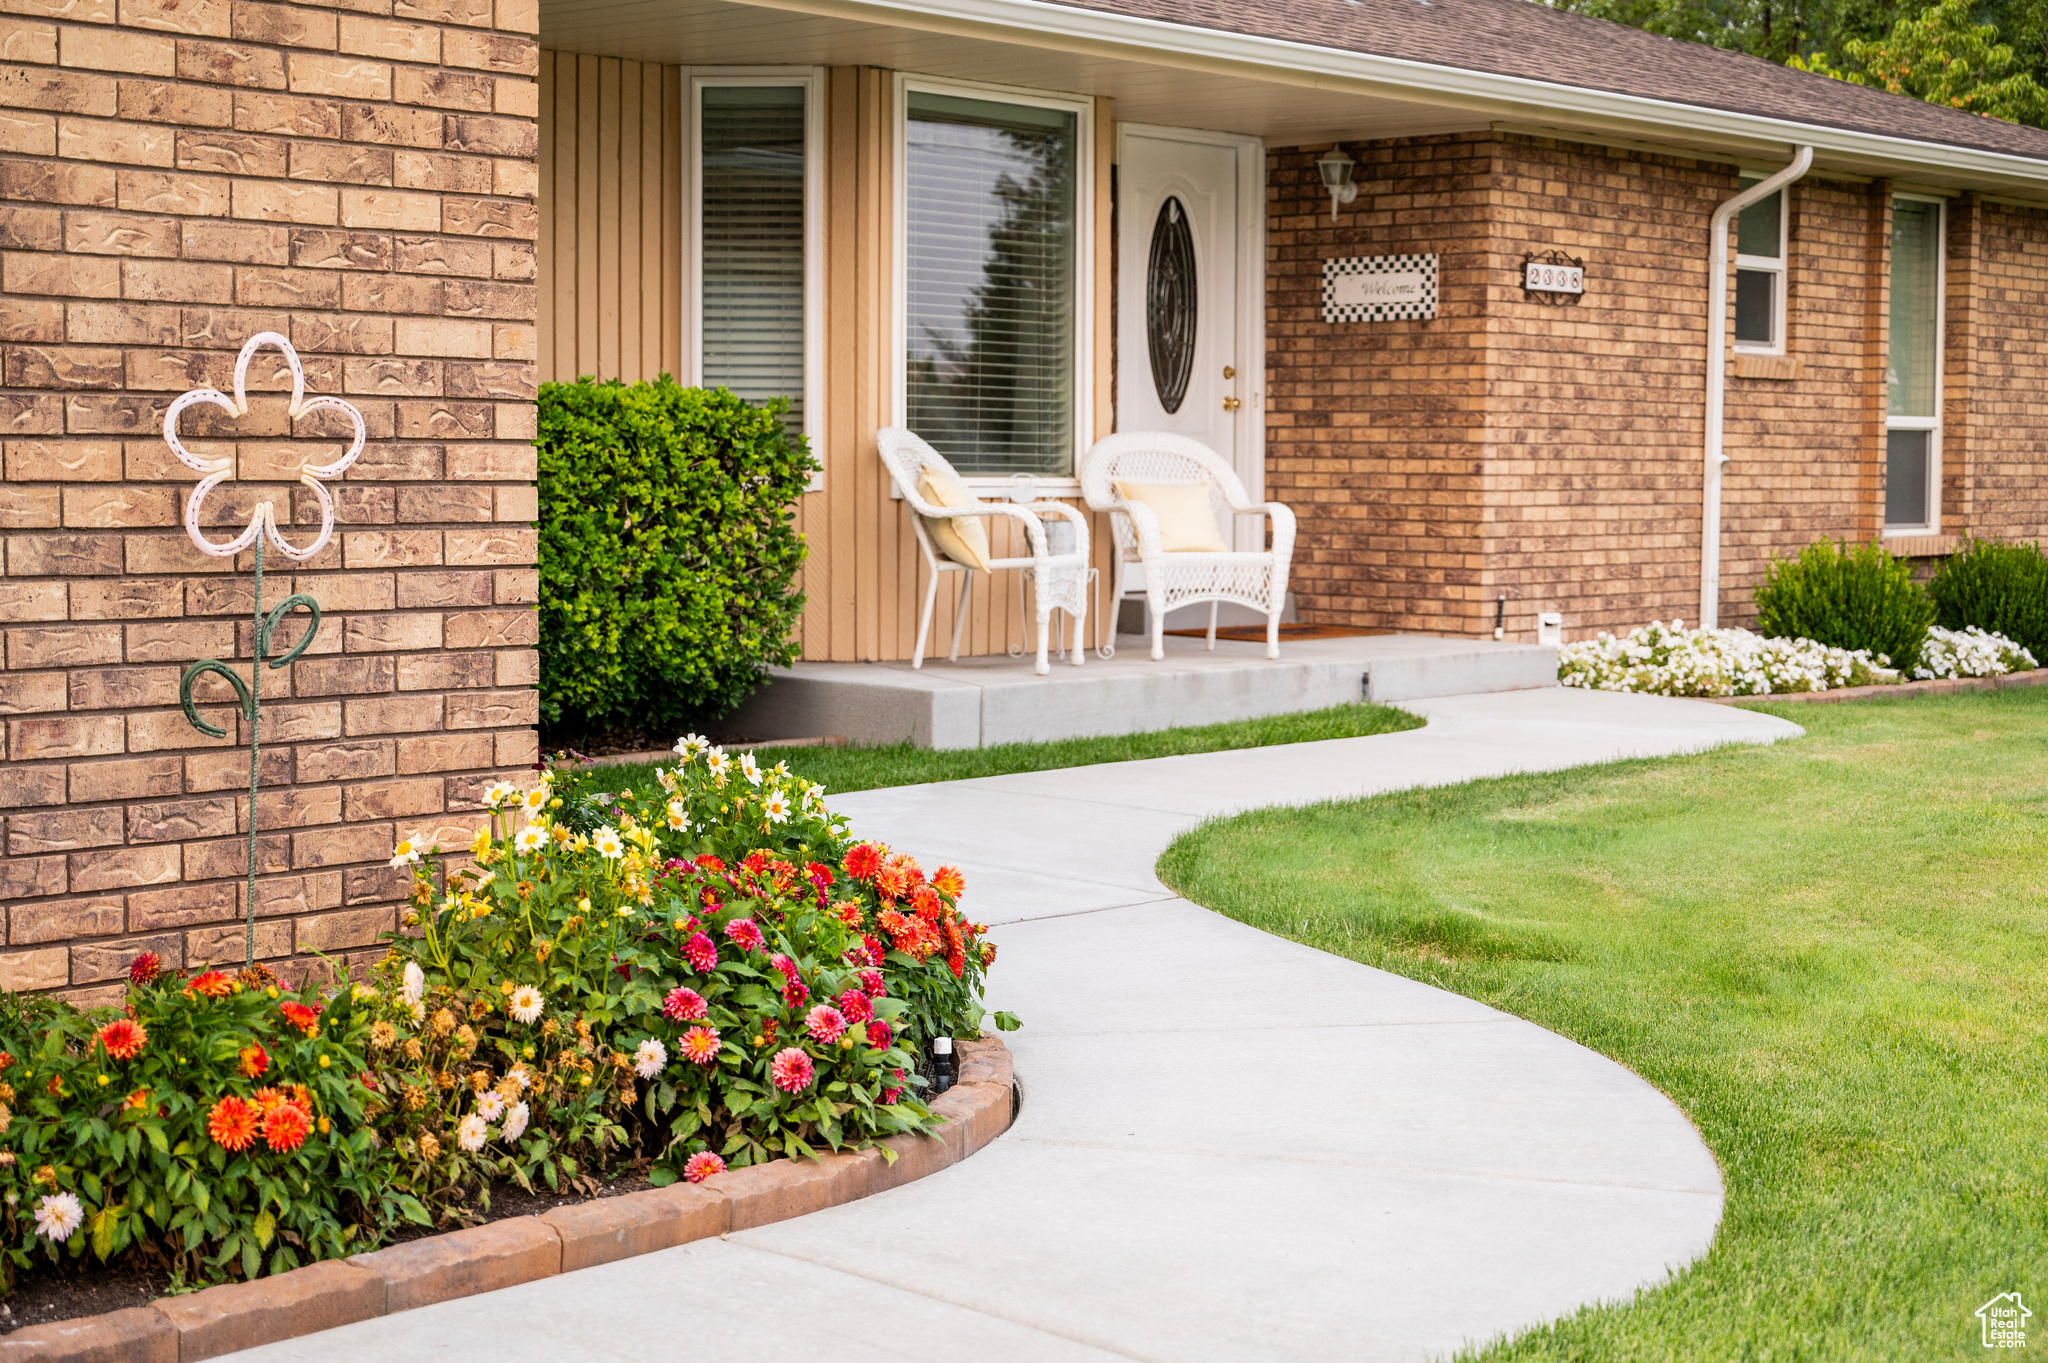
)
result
[(710, 864), (826, 1024), (123, 1039), (701, 1166), (872, 982), (855, 1006), (699, 1045), (863, 861), (145, 968), (879, 1035), (701, 952), (232, 1124), (285, 1127), (755, 863), (795, 992), (255, 1060), (300, 1016), (956, 961), (819, 872), (791, 1070), (684, 1005)]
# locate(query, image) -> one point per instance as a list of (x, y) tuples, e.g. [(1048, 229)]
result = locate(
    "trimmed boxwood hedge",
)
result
[(1844, 597), (1998, 587), (667, 550)]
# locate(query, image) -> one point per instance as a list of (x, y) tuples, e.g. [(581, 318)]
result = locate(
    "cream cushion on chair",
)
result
[(1186, 514), (964, 539)]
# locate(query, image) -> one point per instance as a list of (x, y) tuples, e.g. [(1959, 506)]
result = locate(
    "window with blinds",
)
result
[(989, 280), (1913, 371), (751, 240)]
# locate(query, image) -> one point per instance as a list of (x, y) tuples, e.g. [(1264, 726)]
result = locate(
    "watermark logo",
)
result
[(2005, 1321)]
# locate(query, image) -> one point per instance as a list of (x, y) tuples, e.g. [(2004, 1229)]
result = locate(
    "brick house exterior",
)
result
[(1552, 453), (176, 175)]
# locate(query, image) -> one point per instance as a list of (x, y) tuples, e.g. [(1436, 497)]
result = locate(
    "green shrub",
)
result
[(667, 550), (2002, 588), (1847, 598)]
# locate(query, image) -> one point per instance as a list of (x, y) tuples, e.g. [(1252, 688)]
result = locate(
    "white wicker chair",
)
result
[(1258, 580), (1059, 581)]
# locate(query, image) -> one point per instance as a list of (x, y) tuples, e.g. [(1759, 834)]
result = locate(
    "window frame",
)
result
[(811, 79), (1778, 269), (1083, 107), (1929, 424)]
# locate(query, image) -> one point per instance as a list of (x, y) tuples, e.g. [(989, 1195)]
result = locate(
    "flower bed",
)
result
[(1674, 661), (717, 982)]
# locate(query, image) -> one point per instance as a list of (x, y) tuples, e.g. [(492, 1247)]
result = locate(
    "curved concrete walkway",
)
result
[(1231, 1147)]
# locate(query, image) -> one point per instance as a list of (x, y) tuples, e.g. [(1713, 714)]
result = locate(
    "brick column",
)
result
[(176, 175)]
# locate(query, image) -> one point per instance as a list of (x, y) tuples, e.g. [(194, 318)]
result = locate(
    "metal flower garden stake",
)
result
[(262, 526)]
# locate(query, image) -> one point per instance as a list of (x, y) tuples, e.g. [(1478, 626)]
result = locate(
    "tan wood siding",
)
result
[(611, 294)]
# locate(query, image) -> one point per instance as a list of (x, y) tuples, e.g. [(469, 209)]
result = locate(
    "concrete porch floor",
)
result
[(979, 701)]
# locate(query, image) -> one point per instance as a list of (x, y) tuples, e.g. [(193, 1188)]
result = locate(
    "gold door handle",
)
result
[(1231, 404)]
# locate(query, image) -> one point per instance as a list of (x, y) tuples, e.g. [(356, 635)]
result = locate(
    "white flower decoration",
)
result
[(264, 519)]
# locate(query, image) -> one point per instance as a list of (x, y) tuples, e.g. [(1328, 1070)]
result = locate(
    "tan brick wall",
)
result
[(1554, 453), (176, 175)]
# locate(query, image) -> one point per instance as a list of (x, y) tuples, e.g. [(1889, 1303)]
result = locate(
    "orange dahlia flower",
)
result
[(300, 1016), (215, 984), (285, 1127), (863, 861), (232, 1124), (949, 881), (123, 1038), (255, 1060)]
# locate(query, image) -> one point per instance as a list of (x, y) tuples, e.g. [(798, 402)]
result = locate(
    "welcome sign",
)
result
[(1379, 288)]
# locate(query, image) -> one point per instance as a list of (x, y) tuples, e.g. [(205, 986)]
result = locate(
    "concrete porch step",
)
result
[(981, 701)]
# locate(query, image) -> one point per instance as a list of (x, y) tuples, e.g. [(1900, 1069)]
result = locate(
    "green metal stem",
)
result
[(260, 639)]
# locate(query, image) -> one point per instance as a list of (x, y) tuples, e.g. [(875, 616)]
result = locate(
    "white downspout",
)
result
[(1717, 378)]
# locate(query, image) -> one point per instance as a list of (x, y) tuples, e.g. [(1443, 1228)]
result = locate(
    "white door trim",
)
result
[(1249, 430)]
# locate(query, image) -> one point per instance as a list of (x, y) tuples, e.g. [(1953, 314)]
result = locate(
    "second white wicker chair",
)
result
[(1059, 581), (1258, 580)]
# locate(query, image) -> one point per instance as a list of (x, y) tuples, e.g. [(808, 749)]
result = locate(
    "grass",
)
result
[(1832, 954), (903, 764)]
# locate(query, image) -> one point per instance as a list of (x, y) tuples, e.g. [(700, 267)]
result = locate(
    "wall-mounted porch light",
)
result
[(1335, 167)]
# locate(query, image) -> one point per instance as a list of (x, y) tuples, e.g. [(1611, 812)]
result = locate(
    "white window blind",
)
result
[(989, 265), (752, 242), (1913, 374), (1760, 272)]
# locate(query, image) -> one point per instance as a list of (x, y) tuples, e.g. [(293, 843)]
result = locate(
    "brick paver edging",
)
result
[(2036, 677), (519, 1249)]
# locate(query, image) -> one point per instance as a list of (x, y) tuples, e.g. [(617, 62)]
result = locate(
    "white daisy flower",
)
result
[(529, 839), (667, 779), (649, 1058), (502, 795), (58, 1215), (490, 1105), (678, 816), (689, 745), (525, 1004), (776, 806), (414, 987), (471, 1132), (716, 762), (520, 1076), (538, 797), (515, 1122), (750, 769), (606, 841), (405, 854)]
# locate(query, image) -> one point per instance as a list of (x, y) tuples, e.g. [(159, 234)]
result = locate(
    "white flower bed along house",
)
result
[(1970, 652), (1658, 660)]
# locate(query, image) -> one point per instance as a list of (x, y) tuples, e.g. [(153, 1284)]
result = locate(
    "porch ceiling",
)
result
[(716, 33)]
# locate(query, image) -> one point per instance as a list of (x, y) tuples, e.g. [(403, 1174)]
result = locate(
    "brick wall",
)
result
[(176, 175), (1554, 452)]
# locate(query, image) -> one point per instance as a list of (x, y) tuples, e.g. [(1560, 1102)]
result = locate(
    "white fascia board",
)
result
[(1034, 23)]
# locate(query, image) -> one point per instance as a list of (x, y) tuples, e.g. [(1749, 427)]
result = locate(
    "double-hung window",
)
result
[(1912, 474), (992, 277), (753, 316), (1760, 233)]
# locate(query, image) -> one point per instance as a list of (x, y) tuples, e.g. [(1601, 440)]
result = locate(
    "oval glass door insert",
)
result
[(1170, 304)]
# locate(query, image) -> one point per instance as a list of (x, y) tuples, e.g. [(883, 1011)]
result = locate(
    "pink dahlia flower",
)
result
[(791, 1070), (871, 980), (879, 1035), (701, 952), (745, 934), (701, 1166), (684, 1005), (699, 1045), (856, 1005), (795, 992), (786, 966), (826, 1024)]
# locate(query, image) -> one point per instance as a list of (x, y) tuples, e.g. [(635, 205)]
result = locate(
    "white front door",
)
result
[(1190, 347)]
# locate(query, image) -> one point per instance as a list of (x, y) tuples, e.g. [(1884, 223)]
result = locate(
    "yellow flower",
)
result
[(104, 1081), (481, 844), (325, 1126), (325, 1063)]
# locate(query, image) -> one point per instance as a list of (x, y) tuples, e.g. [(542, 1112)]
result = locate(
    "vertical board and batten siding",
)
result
[(611, 293)]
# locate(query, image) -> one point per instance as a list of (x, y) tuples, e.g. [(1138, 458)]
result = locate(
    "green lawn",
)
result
[(903, 764), (1832, 954)]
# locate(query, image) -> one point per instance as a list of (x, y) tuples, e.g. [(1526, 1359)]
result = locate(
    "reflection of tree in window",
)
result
[(752, 271), (989, 288)]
